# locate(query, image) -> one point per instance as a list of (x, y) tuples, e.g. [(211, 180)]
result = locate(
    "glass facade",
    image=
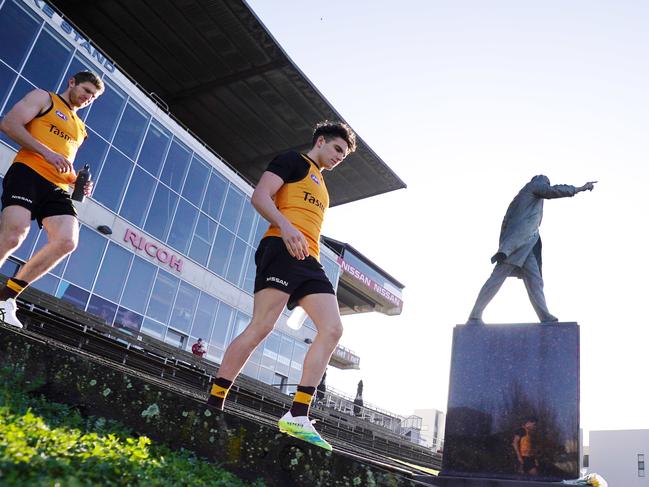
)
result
[(145, 172)]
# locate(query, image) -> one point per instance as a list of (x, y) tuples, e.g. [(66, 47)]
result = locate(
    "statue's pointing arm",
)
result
[(547, 191)]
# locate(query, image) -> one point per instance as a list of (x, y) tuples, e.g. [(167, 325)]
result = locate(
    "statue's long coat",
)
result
[(519, 233)]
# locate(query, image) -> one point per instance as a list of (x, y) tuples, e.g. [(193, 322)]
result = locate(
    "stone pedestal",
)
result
[(513, 387)]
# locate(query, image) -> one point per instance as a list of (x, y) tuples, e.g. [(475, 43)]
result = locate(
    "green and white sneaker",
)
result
[(302, 427)]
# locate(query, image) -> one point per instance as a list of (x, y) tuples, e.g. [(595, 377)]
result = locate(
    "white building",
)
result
[(432, 430), (619, 456)]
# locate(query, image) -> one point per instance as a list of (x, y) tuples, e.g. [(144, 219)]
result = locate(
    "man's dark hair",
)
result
[(531, 419), (83, 76), (330, 130)]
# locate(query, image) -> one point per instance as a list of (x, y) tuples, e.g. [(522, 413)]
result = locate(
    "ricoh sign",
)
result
[(153, 250)]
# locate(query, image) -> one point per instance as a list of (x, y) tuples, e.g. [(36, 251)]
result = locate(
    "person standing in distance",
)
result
[(293, 197), (36, 186)]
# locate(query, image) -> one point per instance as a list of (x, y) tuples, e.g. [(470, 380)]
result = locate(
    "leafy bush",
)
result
[(50, 444)]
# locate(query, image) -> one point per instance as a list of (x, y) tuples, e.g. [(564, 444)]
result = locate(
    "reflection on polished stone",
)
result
[(513, 406)]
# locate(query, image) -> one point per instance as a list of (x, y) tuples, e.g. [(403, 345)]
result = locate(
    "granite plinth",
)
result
[(513, 387)]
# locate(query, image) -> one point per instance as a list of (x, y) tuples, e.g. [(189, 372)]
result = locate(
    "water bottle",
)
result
[(82, 178)]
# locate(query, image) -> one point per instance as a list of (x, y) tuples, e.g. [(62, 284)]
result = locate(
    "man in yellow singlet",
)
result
[(524, 445), (293, 197), (36, 186)]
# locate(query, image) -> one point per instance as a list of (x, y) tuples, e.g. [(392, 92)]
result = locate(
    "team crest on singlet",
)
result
[(61, 115), (315, 178)]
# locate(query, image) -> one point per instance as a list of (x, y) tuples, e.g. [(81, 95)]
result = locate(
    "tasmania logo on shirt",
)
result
[(61, 115), (315, 178)]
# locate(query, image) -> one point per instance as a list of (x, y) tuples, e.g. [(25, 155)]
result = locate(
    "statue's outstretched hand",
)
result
[(590, 185)]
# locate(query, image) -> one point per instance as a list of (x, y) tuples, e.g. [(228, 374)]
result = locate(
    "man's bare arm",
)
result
[(14, 122)]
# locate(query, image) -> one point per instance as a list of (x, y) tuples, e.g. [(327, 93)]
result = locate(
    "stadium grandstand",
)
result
[(198, 99)]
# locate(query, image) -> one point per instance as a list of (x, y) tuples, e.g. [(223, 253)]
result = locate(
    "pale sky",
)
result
[(466, 101)]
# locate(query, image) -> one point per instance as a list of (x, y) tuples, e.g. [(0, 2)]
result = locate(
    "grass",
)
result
[(50, 444)]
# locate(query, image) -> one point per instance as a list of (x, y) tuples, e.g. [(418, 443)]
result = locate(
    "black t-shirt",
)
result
[(290, 166)]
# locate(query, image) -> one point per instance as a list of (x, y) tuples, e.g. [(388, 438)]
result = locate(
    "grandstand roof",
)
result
[(224, 76)]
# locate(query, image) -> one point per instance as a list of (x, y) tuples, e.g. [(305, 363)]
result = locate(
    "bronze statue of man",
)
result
[(519, 251)]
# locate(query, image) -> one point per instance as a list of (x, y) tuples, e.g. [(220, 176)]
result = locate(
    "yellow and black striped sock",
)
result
[(302, 401), (12, 289), (218, 391)]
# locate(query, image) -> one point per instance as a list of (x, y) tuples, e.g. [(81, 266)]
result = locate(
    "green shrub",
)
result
[(50, 444)]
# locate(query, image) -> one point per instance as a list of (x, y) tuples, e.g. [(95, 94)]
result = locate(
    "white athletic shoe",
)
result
[(8, 313), (302, 427)]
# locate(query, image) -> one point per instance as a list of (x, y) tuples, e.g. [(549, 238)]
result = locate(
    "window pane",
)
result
[(215, 195), (102, 309), (271, 350), (175, 339), (73, 294), (25, 250), (17, 32), (235, 269), (221, 250), (161, 212), (247, 220), (162, 297), (299, 352), (262, 226), (20, 90), (7, 77), (204, 316), (9, 268), (84, 261), (112, 180), (138, 285), (112, 274), (203, 237), (153, 328), (91, 152), (248, 283), (222, 325), (105, 112), (175, 167), (232, 208), (128, 319), (240, 323), (183, 312), (183, 225), (46, 62), (153, 150), (130, 131), (48, 284), (196, 181), (284, 357), (138, 196)]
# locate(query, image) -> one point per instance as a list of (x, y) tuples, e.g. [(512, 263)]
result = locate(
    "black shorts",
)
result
[(529, 463), (24, 187), (298, 278)]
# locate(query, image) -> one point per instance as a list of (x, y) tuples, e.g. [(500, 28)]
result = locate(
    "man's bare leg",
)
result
[(323, 311), (14, 227), (63, 235), (62, 239), (268, 306)]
